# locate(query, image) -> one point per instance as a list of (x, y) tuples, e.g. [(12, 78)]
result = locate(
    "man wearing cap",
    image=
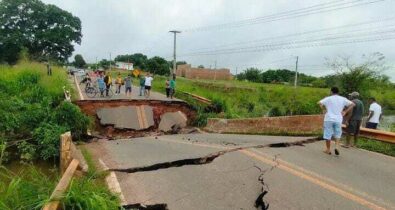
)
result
[(354, 121)]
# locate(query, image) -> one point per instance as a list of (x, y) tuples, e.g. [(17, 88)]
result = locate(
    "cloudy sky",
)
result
[(132, 26)]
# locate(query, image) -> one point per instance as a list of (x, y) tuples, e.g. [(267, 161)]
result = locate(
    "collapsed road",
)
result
[(217, 171)]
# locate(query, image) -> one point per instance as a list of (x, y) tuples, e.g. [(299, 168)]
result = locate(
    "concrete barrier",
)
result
[(285, 125)]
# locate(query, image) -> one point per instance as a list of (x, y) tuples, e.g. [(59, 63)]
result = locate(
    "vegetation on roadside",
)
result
[(376, 146), (33, 112)]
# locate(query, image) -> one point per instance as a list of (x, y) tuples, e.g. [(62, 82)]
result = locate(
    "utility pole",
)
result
[(174, 52), (296, 72), (110, 61), (96, 63)]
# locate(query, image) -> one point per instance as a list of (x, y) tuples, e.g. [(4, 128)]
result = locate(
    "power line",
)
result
[(315, 9), (378, 35), (348, 26)]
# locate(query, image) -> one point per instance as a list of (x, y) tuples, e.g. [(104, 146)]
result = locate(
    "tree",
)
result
[(47, 31), (359, 77), (158, 65), (105, 64), (201, 67), (253, 75), (79, 61), (139, 60)]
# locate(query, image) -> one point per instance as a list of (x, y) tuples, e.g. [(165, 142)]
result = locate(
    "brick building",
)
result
[(185, 70)]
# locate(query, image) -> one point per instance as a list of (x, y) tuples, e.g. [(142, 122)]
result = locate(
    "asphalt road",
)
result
[(134, 95), (205, 171)]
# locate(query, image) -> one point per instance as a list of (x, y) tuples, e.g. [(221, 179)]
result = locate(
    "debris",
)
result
[(172, 122)]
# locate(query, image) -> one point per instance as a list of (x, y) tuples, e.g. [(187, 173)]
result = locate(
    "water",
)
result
[(48, 168), (387, 122)]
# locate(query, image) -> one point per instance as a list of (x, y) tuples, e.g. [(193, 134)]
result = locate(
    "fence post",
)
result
[(65, 151)]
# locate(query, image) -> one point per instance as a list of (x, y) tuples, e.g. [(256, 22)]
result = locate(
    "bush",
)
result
[(47, 138), (71, 117)]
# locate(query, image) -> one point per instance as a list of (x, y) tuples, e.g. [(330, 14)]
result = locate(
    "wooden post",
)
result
[(65, 151), (62, 186)]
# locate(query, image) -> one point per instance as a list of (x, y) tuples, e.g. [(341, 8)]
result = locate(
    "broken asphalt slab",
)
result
[(229, 181), (172, 120), (127, 117)]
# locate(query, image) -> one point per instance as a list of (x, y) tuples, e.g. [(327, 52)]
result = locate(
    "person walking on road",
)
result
[(172, 87), (375, 114), (128, 85), (333, 107), (355, 120), (142, 85), (108, 82), (119, 83), (148, 84), (167, 88)]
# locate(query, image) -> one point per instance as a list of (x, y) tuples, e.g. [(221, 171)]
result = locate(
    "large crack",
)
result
[(209, 158), (161, 206), (259, 203)]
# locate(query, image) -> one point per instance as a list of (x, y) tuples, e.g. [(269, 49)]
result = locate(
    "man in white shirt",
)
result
[(334, 107), (148, 84), (374, 114)]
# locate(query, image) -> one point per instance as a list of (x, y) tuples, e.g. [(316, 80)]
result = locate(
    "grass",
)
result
[(241, 99), (30, 188), (376, 146), (27, 189)]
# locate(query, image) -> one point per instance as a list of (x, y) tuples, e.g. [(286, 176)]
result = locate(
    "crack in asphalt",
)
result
[(208, 158), (138, 206), (259, 203)]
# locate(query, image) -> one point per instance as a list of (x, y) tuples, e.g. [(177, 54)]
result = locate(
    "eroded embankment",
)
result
[(147, 111)]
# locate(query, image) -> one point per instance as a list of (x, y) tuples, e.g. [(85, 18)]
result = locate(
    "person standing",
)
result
[(375, 114), (142, 84), (128, 85), (101, 84), (333, 107), (108, 82), (167, 88), (355, 120), (172, 87), (49, 70), (148, 84), (119, 83)]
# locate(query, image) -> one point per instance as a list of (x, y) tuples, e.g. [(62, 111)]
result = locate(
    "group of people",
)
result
[(105, 81), (338, 110)]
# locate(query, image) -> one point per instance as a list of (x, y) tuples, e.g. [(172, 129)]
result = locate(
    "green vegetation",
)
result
[(376, 146), (90, 191), (240, 99), (33, 113), (30, 188), (274, 76)]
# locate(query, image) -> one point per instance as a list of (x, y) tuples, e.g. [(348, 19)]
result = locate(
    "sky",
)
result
[(141, 26)]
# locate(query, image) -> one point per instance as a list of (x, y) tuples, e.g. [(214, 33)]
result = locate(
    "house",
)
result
[(189, 72), (124, 65)]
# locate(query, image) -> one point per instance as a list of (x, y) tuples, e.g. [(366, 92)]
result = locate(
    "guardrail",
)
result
[(69, 167), (198, 98), (380, 135)]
